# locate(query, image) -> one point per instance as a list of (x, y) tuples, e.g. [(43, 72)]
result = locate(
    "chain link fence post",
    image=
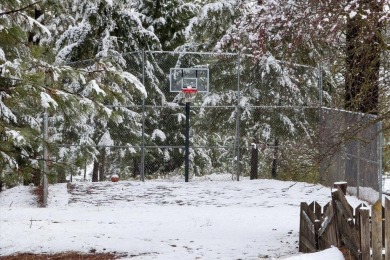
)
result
[(320, 84), (44, 166), (380, 154), (358, 182), (142, 170), (238, 115)]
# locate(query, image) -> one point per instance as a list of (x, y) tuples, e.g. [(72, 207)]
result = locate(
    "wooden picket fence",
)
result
[(367, 237)]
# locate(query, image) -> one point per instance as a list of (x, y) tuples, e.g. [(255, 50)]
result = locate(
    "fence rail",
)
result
[(339, 224)]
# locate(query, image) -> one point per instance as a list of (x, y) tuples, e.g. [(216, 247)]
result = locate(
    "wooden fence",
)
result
[(367, 237)]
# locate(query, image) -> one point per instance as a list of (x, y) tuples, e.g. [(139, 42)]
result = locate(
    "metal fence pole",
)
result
[(187, 144), (320, 84), (142, 170), (320, 113), (238, 115), (358, 165), (44, 167), (380, 154)]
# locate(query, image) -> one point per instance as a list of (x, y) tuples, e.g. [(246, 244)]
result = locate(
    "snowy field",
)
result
[(163, 220)]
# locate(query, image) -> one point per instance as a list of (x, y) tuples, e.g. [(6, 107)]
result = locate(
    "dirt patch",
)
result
[(38, 192), (62, 256), (347, 253)]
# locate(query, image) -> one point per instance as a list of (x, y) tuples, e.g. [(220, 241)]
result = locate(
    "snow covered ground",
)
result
[(163, 220), (386, 183)]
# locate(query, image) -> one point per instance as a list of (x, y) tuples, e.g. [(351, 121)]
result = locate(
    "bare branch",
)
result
[(21, 9)]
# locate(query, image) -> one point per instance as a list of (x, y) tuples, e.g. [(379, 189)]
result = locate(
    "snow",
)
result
[(11, 162), (5, 113), (365, 193), (92, 85), (133, 80), (39, 25), (46, 100), (64, 53), (158, 135), (106, 139), (2, 55), (386, 183), (352, 14), (18, 139), (331, 253), (110, 3), (163, 220)]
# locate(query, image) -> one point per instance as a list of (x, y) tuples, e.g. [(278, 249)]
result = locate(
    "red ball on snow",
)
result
[(114, 178)]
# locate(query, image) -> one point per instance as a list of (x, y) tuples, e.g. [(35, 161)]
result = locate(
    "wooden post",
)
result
[(334, 198), (358, 225), (364, 214), (254, 160), (346, 229), (387, 229), (357, 214), (342, 185), (316, 208), (307, 238), (327, 235), (376, 219)]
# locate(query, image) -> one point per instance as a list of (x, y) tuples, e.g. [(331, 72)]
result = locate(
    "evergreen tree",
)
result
[(210, 23), (36, 78), (22, 91), (99, 42), (167, 19), (266, 81)]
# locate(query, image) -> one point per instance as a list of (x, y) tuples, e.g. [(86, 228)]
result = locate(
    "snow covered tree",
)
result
[(364, 45), (316, 31), (117, 33), (99, 42), (311, 33), (265, 81), (36, 78), (213, 19), (21, 92), (167, 19)]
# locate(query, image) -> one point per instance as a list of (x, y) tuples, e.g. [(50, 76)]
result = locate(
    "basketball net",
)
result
[(189, 93)]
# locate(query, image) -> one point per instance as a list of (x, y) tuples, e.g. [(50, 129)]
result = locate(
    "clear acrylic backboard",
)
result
[(181, 78)]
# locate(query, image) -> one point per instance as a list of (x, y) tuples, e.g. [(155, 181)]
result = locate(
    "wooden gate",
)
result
[(335, 224)]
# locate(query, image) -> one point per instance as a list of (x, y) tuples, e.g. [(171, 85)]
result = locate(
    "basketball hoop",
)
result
[(189, 93)]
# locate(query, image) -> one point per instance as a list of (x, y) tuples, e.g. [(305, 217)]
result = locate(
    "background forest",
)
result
[(93, 65)]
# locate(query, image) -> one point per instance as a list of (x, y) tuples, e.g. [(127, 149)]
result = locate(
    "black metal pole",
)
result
[(187, 143)]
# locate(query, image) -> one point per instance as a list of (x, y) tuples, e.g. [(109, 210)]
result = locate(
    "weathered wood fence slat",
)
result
[(335, 224), (387, 230)]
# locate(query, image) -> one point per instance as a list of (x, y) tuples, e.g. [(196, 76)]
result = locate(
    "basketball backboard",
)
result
[(197, 78)]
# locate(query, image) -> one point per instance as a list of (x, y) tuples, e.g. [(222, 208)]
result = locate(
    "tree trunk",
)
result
[(363, 45), (36, 178), (61, 178), (254, 160), (157, 10), (85, 169), (275, 160), (95, 172), (102, 165), (136, 167), (37, 14), (61, 175)]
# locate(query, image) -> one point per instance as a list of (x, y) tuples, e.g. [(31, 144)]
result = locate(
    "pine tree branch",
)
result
[(21, 9)]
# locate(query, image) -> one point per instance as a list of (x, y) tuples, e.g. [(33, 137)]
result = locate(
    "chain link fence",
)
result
[(350, 150), (260, 119)]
